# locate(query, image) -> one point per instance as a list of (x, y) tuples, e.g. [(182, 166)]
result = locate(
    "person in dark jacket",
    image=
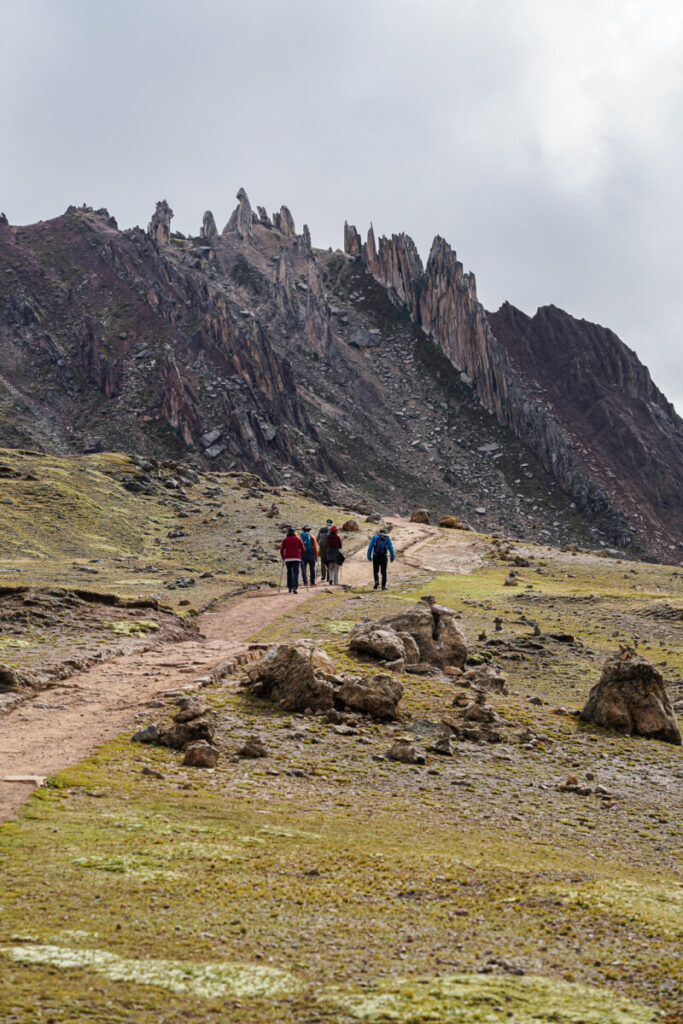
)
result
[(292, 551), (379, 549), (322, 548), (333, 552), (309, 556)]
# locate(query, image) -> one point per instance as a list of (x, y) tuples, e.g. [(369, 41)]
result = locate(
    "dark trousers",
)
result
[(308, 562), (380, 562), (322, 551), (293, 575)]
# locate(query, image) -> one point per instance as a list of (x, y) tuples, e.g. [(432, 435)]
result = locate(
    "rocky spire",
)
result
[(209, 231), (241, 218), (159, 228), (306, 238), (371, 252), (285, 280), (318, 315), (284, 222), (263, 217), (352, 242)]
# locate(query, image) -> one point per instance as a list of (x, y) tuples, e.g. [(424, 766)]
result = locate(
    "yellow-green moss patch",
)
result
[(491, 999), (206, 980)]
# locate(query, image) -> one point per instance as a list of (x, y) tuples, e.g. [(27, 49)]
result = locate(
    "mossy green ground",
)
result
[(70, 522), (326, 884)]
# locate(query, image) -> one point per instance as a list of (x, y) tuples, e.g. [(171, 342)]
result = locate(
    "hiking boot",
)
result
[(384, 586), (376, 585)]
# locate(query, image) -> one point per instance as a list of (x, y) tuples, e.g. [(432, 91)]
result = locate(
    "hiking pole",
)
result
[(282, 569)]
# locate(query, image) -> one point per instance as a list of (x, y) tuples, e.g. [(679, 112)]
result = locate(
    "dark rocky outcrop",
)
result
[(241, 219), (209, 231), (536, 375), (310, 367), (604, 400), (159, 228), (630, 697)]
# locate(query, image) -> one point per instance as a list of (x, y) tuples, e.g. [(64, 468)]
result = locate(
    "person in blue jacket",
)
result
[(379, 549)]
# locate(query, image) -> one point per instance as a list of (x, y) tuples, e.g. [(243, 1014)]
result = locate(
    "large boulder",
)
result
[(630, 697), (369, 638), (448, 522), (434, 629), (287, 675), (200, 755), (419, 515), (373, 695)]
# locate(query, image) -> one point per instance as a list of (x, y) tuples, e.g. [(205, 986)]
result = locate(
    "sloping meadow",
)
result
[(327, 883)]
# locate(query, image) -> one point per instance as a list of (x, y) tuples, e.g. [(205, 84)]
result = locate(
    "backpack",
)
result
[(308, 542), (381, 545), (322, 535)]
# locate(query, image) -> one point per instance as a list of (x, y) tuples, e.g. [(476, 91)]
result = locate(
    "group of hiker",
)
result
[(301, 552)]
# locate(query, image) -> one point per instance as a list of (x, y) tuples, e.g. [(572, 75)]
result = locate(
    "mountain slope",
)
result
[(359, 376), (572, 391)]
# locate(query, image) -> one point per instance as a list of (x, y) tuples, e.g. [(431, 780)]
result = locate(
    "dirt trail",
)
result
[(65, 723)]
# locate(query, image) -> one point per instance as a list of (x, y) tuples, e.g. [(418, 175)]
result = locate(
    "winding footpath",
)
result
[(65, 723)]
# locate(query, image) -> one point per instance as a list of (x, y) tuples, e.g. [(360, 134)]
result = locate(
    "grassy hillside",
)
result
[(326, 883)]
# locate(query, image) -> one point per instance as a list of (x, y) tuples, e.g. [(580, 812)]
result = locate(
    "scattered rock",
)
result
[(287, 675), (442, 746), (253, 748), (153, 773), (350, 526), (484, 677), (630, 697), (419, 515), (200, 755), (377, 695), (183, 733), (448, 522), (367, 638), (406, 751), (150, 734)]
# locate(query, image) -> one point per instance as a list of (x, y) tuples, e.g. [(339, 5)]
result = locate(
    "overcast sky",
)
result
[(542, 138)]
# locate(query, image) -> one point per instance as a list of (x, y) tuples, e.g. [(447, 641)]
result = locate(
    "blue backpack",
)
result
[(308, 543), (381, 545)]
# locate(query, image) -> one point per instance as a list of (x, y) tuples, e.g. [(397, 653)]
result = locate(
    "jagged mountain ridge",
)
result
[(572, 390), (250, 348)]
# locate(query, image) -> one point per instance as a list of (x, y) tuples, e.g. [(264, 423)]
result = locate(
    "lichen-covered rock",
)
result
[(419, 515), (378, 695), (200, 755), (287, 676), (368, 638), (350, 526), (630, 697), (435, 631)]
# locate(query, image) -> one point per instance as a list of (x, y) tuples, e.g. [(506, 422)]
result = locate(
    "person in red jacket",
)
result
[(334, 555), (292, 551)]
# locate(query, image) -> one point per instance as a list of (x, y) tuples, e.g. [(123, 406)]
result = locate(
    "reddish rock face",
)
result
[(603, 399), (572, 391), (362, 374)]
